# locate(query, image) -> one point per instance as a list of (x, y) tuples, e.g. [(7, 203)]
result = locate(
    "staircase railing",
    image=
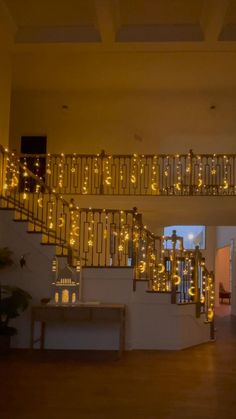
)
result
[(149, 175), (175, 270), (106, 237), (33, 201)]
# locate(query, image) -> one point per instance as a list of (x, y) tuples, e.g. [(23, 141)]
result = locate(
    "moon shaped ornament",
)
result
[(226, 185), (61, 222), (40, 202), (154, 186), (200, 182), (191, 291), (176, 279), (133, 179), (142, 267), (76, 231), (108, 180), (161, 268)]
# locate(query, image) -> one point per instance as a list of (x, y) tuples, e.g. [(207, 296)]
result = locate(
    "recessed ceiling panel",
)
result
[(145, 12), (52, 12), (160, 33)]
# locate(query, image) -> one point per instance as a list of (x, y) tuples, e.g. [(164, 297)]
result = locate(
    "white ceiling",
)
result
[(121, 20), (122, 44)]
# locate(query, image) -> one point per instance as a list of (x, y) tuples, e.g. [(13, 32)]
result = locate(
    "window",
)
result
[(193, 235)]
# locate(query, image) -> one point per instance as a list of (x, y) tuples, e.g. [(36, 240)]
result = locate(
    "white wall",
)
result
[(6, 41), (125, 121), (35, 277), (224, 236), (151, 323)]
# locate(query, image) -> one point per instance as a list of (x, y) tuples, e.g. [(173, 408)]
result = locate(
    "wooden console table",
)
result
[(85, 312)]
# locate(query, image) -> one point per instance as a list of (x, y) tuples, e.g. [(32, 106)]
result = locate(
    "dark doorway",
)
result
[(35, 149)]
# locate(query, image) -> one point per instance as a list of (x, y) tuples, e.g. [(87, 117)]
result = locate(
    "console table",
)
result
[(84, 312)]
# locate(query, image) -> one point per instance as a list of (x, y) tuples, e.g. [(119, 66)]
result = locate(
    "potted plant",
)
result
[(13, 301)]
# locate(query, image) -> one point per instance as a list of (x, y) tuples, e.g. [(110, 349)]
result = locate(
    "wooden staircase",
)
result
[(44, 211)]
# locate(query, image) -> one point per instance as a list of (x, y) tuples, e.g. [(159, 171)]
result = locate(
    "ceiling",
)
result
[(110, 22), (122, 44), (153, 45)]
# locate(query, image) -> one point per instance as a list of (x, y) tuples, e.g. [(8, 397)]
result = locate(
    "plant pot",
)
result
[(5, 341)]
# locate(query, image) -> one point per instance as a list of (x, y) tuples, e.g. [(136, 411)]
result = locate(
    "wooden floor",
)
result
[(195, 383)]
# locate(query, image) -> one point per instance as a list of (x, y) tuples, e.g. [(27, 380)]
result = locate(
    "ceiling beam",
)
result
[(213, 18), (107, 12)]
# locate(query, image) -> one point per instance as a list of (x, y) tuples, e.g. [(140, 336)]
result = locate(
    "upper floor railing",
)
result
[(149, 175)]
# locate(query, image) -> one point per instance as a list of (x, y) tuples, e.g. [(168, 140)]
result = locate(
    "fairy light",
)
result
[(225, 181), (61, 171), (142, 164), (37, 165), (95, 166), (85, 182), (73, 165), (48, 168), (50, 214), (213, 166), (105, 231), (6, 184), (134, 167), (200, 178), (107, 170), (121, 243), (91, 233), (178, 184), (154, 185)]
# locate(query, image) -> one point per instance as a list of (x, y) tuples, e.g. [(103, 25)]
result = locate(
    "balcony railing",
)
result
[(149, 175)]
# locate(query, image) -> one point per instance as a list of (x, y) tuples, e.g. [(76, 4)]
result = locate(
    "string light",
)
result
[(85, 183), (154, 183), (108, 178), (134, 169), (61, 171)]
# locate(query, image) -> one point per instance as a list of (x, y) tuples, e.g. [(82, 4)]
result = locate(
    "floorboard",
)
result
[(195, 383)]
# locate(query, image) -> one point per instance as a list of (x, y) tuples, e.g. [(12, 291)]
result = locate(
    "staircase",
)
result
[(33, 202), (106, 238)]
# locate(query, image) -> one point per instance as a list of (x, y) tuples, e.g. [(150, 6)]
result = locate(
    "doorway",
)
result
[(223, 278), (34, 148)]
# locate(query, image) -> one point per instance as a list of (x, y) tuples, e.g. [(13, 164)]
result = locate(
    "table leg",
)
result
[(42, 337), (122, 333), (32, 334)]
